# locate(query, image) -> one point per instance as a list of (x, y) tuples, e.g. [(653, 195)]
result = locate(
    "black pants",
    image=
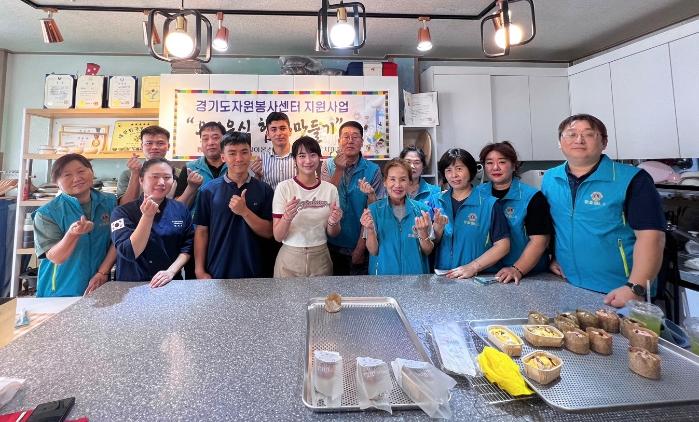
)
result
[(342, 262)]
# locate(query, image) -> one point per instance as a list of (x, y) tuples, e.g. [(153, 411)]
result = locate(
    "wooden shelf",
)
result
[(98, 112), (34, 202), (103, 156), (25, 251)]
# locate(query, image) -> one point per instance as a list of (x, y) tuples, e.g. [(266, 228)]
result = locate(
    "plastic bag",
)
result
[(426, 385), (327, 376), (453, 349), (500, 369), (8, 388), (300, 63), (374, 384)]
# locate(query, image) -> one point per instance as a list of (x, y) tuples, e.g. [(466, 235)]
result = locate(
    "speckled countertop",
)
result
[(234, 349)]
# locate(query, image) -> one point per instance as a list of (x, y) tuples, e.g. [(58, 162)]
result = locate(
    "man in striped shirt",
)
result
[(277, 165)]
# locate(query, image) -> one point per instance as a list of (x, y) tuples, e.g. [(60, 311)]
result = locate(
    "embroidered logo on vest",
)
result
[(105, 219), (177, 223), (595, 199), (472, 219), (509, 212)]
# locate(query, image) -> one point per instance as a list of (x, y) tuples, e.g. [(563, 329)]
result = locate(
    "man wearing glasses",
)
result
[(277, 165), (155, 142), (359, 183), (608, 219)]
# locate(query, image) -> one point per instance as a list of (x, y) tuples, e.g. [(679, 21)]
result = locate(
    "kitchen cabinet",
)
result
[(465, 112), (644, 108), (684, 58), (511, 116), (549, 105), (591, 93)]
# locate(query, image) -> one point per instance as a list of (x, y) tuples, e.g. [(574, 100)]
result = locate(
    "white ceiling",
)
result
[(566, 29)]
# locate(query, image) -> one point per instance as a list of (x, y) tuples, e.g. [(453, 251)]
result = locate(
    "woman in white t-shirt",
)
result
[(306, 212)]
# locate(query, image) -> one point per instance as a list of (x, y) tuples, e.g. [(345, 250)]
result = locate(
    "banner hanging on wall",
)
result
[(318, 114)]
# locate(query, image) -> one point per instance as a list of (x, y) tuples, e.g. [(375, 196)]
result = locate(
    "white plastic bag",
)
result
[(426, 385), (327, 376), (8, 388), (453, 349), (374, 384)]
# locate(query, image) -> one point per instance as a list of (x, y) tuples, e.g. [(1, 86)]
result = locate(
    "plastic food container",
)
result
[(647, 313), (692, 326)]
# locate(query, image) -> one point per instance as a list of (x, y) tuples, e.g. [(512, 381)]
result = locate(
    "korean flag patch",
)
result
[(118, 224)]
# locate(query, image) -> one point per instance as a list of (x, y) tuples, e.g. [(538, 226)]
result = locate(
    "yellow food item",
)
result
[(543, 332), (500, 369), (541, 362), (504, 336)]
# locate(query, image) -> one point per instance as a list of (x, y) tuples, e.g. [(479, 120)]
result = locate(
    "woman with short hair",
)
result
[(72, 232), (526, 210)]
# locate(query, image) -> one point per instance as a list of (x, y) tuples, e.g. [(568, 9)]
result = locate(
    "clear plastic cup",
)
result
[(692, 326), (647, 313)]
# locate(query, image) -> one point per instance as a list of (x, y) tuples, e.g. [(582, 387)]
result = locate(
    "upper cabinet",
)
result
[(591, 93), (465, 112), (479, 105), (684, 57), (644, 107), (549, 106), (511, 116)]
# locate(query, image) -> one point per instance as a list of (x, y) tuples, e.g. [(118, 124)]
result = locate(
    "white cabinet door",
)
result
[(684, 56), (465, 112), (644, 108), (511, 118), (591, 93), (548, 99)]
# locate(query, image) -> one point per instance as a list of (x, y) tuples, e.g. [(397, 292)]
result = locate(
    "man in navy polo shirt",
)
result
[(233, 213)]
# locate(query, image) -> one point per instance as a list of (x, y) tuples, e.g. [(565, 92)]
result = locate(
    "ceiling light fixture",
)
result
[(349, 32), (424, 40), (156, 37), (220, 42), (507, 33), (179, 44), (49, 28)]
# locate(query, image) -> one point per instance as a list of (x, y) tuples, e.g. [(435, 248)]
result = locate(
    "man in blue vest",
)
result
[(608, 219), (359, 183), (205, 168)]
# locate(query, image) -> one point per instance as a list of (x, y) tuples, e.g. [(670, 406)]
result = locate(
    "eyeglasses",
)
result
[(587, 136), (355, 138)]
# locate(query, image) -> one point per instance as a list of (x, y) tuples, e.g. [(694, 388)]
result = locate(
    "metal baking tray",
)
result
[(595, 382), (365, 326)]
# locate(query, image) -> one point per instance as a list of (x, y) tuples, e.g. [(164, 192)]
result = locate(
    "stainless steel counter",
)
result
[(234, 349)]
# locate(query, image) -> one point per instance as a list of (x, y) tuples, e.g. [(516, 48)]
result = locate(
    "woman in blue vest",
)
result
[(397, 227), (418, 189), (72, 232), (469, 226), (526, 211), (153, 235)]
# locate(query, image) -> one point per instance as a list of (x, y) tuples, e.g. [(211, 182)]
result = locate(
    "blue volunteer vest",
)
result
[(199, 165), (425, 192), (352, 201), (399, 246), (515, 204), (594, 243), (467, 236), (71, 277)]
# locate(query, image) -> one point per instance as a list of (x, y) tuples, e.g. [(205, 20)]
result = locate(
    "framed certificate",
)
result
[(127, 135), (59, 91), (150, 92), (89, 92), (122, 91), (82, 142)]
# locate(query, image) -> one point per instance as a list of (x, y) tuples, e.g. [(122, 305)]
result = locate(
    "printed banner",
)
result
[(318, 114)]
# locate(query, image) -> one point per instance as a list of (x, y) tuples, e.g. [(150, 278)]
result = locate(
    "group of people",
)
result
[(229, 214)]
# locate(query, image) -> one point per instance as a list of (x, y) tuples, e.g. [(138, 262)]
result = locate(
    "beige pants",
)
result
[(293, 261)]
